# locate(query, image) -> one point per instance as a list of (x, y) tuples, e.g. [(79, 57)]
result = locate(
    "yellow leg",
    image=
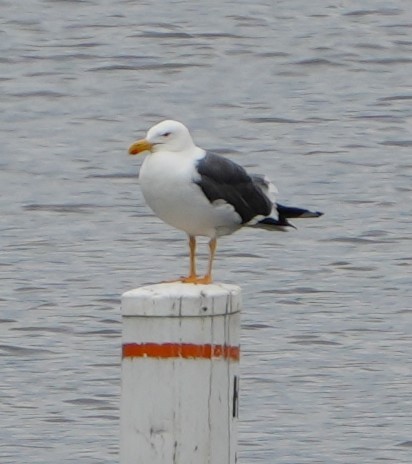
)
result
[(207, 279), (192, 277), (192, 248)]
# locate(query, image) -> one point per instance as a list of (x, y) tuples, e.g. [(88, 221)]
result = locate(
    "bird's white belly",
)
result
[(169, 190)]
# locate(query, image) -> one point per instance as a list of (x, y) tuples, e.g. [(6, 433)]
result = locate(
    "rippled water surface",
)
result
[(316, 94)]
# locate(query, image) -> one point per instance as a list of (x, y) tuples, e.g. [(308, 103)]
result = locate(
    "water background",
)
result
[(318, 96)]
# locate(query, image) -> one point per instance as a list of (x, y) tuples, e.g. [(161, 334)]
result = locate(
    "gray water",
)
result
[(318, 96)]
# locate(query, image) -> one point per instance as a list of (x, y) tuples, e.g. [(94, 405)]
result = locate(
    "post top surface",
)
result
[(178, 299)]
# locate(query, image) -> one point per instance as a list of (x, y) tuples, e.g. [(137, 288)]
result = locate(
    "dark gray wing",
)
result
[(222, 179)]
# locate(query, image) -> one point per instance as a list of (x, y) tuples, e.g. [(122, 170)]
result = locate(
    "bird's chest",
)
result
[(164, 181), (168, 188)]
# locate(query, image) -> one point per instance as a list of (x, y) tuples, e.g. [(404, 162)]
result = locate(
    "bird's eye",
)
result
[(166, 134)]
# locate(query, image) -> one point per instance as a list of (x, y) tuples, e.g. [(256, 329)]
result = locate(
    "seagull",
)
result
[(205, 194)]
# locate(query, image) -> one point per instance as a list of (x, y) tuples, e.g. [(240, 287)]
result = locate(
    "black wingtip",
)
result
[(312, 214), (280, 224), (292, 212), (285, 213)]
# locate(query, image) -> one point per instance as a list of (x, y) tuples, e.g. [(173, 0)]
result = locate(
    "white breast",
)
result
[(166, 179)]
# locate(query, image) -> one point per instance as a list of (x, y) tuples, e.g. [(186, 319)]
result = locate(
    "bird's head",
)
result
[(166, 136)]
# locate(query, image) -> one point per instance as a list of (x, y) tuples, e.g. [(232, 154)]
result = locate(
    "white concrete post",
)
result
[(180, 378)]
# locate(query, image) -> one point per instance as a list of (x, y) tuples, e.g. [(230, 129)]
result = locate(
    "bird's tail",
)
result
[(283, 214)]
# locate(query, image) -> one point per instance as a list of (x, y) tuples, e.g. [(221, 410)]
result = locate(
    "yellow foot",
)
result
[(185, 280), (192, 280), (196, 280)]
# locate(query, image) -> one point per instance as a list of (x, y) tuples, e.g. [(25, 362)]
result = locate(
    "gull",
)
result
[(204, 194)]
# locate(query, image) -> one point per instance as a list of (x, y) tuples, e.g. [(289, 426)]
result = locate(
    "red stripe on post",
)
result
[(179, 350)]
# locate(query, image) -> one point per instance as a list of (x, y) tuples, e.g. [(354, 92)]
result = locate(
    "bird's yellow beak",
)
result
[(140, 146)]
